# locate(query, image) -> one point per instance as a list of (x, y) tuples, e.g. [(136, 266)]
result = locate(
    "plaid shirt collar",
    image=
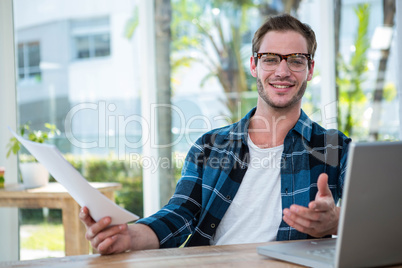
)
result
[(240, 131)]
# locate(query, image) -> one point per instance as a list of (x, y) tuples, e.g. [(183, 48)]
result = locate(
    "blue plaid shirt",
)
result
[(215, 167)]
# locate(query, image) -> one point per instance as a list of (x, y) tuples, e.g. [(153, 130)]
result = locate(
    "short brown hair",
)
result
[(283, 23)]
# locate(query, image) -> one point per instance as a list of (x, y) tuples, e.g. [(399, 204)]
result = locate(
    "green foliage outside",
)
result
[(390, 92), (352, 100), (215, 29), (48, 236)]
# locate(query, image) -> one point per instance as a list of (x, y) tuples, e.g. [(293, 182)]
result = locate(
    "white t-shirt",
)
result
[(256, 210)]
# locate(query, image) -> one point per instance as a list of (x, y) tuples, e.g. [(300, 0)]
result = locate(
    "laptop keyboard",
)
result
[(328, 253)]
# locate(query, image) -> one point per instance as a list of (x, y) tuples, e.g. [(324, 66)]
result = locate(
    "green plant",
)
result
[(33, 135), (1, 177), (351, 76)]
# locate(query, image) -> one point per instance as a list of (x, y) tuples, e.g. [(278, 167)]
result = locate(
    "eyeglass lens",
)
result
[(296, 63)]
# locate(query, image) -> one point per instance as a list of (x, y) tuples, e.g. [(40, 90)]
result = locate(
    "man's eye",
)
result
[(296, 61), (270, 60)]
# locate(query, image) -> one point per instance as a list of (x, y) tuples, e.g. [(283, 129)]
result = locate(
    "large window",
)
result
[(367, 78), (90, 79), (84, 88)]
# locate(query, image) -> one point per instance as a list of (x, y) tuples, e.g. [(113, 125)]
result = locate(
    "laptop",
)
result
[(370, 224)]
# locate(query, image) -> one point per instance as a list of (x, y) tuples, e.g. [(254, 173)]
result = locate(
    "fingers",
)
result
[(315, 222), (304, 220), (97, 232), (97, 227), (322, 185), (323, 200), (321, 205), (102, 237), (108, 246), (300, 224), (104, 242), (85, 217), (302, 214)]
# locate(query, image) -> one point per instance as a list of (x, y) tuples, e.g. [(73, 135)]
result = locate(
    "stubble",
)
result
[(295, 99)]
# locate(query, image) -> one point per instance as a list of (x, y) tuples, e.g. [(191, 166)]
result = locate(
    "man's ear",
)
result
[(253, 67), (310, 71)]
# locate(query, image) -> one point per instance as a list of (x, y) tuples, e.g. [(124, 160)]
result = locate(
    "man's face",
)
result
[(282, 88)]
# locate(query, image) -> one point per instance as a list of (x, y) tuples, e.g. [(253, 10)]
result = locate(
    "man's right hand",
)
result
[(118, 238)]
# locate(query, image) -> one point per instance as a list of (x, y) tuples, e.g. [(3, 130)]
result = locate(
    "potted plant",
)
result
[(33, 173), (2, 177)]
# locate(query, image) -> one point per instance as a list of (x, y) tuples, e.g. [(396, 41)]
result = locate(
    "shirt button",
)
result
[(228, 197), (212, 225)]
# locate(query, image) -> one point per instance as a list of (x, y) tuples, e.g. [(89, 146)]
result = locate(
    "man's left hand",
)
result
[(321, 216)]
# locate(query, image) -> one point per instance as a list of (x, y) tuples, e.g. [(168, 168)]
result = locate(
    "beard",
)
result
[(295, 99)]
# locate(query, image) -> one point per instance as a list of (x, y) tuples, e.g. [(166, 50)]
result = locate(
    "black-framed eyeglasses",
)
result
[(297, 62)]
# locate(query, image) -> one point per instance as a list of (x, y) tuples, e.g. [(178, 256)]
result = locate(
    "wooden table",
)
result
[(208, 256), (54, 195)]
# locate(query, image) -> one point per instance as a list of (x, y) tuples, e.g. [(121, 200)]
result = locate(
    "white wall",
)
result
[(54, 10)]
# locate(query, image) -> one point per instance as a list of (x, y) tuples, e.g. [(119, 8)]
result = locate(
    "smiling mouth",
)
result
[(280, 86)]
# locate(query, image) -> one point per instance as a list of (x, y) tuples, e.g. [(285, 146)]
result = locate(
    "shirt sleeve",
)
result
[(177, 220)]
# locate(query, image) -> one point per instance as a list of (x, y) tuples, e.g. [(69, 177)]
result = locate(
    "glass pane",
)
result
[(21, 65), (33, 54), (101, 45), (21, 56), (82, 47), (91, 37), (367, 78), (92, 102)]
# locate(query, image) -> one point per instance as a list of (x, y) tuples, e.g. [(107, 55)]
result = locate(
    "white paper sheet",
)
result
[(77, 186)]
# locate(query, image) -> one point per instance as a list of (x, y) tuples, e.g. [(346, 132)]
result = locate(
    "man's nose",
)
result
[(283, 69)]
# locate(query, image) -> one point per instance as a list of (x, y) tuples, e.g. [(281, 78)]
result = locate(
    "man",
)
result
[(274, 175)]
